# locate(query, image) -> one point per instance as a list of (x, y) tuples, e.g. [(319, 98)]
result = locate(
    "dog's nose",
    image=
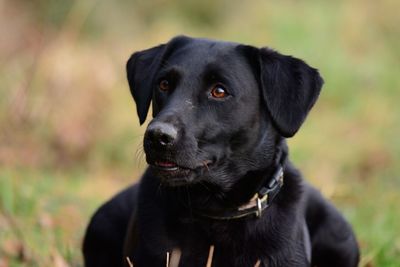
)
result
[(161, 133)]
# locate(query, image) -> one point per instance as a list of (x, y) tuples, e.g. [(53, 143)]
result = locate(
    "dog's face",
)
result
[(219, 108)]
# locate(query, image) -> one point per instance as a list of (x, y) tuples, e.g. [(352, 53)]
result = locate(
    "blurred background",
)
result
[(70, 139)]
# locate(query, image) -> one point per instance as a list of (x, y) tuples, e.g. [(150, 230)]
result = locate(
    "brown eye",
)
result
[(164, 85), (219, 91)]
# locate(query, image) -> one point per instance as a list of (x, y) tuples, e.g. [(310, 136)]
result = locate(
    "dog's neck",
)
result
[(256, 205), (249, 197)]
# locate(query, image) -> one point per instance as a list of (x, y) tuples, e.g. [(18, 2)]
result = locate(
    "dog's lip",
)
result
[(165, 165), (168, 165)]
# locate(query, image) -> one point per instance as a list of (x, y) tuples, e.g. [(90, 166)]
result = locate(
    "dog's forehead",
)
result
[(199, 52)]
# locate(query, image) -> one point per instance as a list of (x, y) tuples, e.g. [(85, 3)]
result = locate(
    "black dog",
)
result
[(219, 175)]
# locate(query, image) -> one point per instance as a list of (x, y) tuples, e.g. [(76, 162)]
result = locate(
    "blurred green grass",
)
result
[(69, 137)]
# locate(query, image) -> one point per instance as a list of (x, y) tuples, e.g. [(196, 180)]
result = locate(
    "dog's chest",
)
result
[(214, 256), (217, 249)]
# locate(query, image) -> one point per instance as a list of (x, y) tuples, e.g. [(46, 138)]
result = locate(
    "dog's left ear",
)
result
[(290, 88), (140, 69)]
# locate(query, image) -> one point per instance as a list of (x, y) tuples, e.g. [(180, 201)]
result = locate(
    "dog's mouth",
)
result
[(174, 174), (166, 165)]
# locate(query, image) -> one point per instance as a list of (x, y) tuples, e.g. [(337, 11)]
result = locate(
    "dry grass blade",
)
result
[(129, 262), (58, 260), (167, 262), (175, 258), (210, 256), (20, 247)]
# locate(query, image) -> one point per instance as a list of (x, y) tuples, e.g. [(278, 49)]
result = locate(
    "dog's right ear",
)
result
[(140, 69), (289, 87)]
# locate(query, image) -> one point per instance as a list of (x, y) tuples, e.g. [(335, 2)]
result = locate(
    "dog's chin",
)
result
[(173, 176)]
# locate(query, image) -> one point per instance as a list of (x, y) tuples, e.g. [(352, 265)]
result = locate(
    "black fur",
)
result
[(222, 150)]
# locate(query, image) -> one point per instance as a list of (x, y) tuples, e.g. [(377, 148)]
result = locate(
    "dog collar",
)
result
[(257, 204)]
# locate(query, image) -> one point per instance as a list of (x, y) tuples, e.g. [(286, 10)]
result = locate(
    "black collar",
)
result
[(260, 201)]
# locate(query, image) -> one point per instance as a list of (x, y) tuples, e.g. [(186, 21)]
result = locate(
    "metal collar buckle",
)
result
[(259, 208)]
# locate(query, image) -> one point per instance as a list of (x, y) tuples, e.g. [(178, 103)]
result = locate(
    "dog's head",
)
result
[(219, 108)]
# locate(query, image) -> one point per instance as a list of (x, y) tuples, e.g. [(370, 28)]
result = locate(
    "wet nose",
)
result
[(161, 133)]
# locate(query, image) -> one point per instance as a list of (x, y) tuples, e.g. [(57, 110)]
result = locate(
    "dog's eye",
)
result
[(164, 85), (218, 91)]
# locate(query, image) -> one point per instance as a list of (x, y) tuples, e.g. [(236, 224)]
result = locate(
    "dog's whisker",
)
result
[(206, 165), (139, 155)]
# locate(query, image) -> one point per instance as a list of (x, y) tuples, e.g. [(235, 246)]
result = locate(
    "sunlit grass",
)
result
[(45, 213)]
